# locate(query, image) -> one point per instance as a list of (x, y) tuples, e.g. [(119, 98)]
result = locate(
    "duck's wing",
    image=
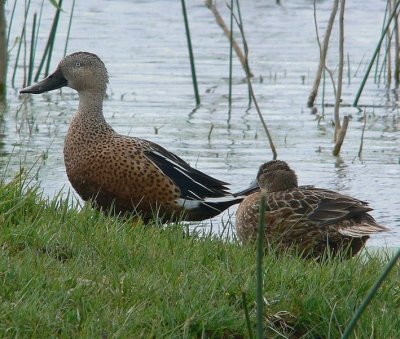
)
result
[(322, 207), (202, 196), (193, 184), (329, 207)]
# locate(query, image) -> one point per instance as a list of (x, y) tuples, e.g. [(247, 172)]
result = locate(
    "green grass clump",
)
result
[(68, 272)]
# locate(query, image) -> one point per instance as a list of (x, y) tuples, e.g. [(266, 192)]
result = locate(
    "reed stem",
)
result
[(49, 45), (20, 43), (244, 47), (362, 135), (322, 54), (53, 36), (396, 53), (376, 52), (246, 67), (383, 28), (32, 51), (3, 51), (191, 57), (230, 59), (69, 27), (340, 70), (220, 21)]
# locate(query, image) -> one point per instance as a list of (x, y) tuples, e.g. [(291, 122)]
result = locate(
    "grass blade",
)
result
[(370, 295), (260, 271), (246, 314)]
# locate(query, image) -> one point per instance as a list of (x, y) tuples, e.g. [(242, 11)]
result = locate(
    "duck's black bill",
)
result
[(253, 187), (53, 81)]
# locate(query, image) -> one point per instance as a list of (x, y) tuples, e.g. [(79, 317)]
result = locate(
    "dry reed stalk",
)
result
[(323, 53), (220, 21), (362, 135), (3, 50), (246, 68), (340, 131), (388, 51), (396, 52)]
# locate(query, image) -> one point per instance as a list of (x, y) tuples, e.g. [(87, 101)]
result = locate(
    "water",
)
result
[(150, 95)]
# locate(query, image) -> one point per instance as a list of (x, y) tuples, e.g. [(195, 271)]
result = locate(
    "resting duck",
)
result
[(310, 219), (126, 174)]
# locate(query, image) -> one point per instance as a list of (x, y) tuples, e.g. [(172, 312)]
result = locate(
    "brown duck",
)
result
[(307, 218), (127, 174)]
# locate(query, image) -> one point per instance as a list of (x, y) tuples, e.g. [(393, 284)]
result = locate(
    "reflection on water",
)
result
[(150, 95)]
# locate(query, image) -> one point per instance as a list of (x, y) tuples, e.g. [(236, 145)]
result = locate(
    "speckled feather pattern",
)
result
[(114, 169), (307, 218)]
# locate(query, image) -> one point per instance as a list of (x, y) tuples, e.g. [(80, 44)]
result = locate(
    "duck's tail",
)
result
[(365, 227), (208, 208)]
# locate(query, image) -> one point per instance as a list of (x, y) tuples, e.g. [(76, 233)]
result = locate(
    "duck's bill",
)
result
[(253, 187), (53, 81)]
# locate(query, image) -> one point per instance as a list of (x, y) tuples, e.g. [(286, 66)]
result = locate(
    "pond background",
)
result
[(150, 95)]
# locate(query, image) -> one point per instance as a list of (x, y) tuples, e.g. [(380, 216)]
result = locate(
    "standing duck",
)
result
[(126, 174), (312, 220)]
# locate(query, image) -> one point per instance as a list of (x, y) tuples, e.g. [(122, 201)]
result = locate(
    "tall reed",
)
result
[(50, 44), (249, 75), (191, 57), (3, 50), (69, 27), (22, 37), (32, 50), (28, 66), (230, 59), (375, 54)]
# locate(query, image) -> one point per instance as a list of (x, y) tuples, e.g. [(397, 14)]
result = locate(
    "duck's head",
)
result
[(82, 71), (275, 176)]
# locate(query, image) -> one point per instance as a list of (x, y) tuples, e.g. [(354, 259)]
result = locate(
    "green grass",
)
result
[(66, 272)]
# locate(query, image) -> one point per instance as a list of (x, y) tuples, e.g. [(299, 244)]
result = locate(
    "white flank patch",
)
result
[(188, 204)]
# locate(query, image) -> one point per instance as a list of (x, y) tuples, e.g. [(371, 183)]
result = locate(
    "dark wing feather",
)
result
[(194, 185), (333, 207)]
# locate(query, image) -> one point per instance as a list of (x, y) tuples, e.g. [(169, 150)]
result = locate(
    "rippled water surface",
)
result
[(150, 95)]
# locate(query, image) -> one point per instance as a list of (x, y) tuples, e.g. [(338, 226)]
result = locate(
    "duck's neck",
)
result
[(91, 107)]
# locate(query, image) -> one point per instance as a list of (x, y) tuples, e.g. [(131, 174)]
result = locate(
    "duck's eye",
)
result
[(77, 64)]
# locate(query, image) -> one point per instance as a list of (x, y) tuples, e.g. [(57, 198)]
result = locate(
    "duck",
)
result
[(315, 222), (123, 174)]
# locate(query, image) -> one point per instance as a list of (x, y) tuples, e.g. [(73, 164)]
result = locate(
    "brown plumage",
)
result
[(128, 174), (309, 219)]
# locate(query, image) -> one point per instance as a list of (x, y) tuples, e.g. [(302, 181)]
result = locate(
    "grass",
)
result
[(68, 272)]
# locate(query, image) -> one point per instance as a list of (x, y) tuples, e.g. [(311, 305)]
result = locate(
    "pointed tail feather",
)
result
[(208, 208), (362, 230)]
